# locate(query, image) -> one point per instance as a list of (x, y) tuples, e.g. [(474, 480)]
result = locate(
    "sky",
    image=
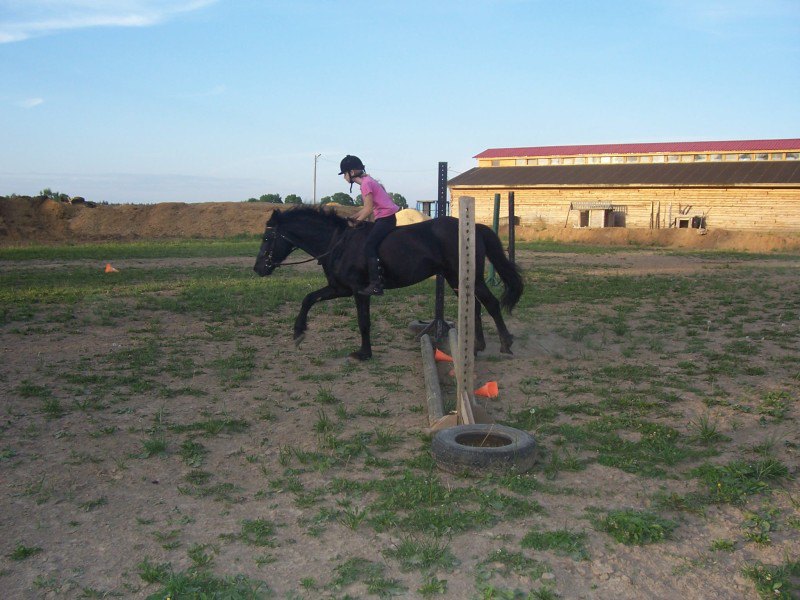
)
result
[(146, 101)]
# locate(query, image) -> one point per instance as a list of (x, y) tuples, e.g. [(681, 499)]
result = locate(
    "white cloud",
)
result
[(30, 102), (24, 19)]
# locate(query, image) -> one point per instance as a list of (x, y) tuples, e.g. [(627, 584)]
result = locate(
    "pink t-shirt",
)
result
[(382, 203)]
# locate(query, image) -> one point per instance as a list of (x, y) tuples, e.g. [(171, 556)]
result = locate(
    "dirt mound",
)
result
[(41, 220)]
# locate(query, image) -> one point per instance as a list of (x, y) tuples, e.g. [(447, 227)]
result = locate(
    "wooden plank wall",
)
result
[(744, 209)]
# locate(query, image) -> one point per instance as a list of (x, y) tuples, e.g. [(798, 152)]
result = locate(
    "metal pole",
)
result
[(441, 211), (511, 224), (437, 328), (492, 279), (316, 156)]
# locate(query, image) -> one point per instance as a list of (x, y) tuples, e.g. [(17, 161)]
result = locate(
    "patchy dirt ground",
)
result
[(134, 437)]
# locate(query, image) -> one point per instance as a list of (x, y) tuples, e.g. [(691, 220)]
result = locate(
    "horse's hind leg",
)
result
[(480, 340), (493, 307)]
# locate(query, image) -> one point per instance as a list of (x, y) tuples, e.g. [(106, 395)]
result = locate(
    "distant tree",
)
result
[(359, 200), (293, 199), (252, 199), (272, 198), (48, 193), (399, 200)]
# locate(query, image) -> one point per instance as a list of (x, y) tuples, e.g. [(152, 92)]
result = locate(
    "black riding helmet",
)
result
[(350, 163)]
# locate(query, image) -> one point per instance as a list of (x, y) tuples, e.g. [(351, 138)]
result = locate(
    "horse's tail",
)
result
[(509, 273)]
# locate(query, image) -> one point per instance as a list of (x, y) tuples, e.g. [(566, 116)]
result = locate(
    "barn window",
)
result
[(745, 157), (606, 160), (555, 161), (584, 218), (618, 159), (659, 158), (521, 162), (544, 161), (716, 157), (673, 158), (495, 163), (580, 160), (700, 158), (632, 159), (791, 155), (762, 156), (569, 161), (776, 156), (595, 160)]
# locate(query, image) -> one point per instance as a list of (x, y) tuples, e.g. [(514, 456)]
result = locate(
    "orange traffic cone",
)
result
[(488, 391), (110, 269), (442, 357)]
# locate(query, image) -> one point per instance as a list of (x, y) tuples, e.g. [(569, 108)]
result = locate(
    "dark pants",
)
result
[(380, 230)]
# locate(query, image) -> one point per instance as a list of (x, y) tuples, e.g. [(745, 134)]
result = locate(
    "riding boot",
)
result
[(375, 287)]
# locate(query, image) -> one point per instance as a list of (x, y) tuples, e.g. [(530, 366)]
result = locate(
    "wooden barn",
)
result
[(738, 185)]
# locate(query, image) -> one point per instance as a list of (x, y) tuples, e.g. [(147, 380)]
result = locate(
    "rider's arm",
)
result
[(366, 211)]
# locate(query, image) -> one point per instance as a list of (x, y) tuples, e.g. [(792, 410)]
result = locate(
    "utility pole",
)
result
[(316, 156)]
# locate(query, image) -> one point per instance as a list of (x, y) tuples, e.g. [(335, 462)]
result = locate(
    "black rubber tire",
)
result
[(458, 450)]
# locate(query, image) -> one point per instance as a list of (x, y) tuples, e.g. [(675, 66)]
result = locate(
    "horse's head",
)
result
[(306, 227), (275, 247)]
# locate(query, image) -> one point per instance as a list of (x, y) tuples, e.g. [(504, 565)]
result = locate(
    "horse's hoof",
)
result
[(298, 338), (359, 355)]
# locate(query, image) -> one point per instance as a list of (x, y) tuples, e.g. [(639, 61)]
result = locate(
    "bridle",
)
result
[(275, 234)]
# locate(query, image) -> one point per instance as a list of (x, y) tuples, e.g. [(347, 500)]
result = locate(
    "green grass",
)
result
[(370, 573), (245, 245), (735, 482), (561, 541), (635, 527), (258, 532), (415, 553), (775, 581), (21, 551)]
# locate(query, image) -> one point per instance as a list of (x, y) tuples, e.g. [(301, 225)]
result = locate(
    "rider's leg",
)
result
[(380, 230)]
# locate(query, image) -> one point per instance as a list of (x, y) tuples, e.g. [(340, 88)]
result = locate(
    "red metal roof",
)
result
[(657, 148)]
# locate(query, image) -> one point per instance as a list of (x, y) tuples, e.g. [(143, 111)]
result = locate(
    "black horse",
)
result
[(408, 255)]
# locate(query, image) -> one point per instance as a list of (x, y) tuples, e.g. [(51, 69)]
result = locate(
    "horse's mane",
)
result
[(303, 212)]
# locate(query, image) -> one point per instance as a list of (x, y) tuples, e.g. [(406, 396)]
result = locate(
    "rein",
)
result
[(300, 262)]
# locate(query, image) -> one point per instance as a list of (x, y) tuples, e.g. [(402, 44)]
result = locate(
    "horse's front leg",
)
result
[(493, 308), (301, 322), (362, 308)]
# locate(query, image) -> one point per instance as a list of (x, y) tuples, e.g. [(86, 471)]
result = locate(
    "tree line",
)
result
[(337, 198)]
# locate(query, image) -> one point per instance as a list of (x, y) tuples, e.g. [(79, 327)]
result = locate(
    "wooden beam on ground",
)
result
[(433, 390)]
